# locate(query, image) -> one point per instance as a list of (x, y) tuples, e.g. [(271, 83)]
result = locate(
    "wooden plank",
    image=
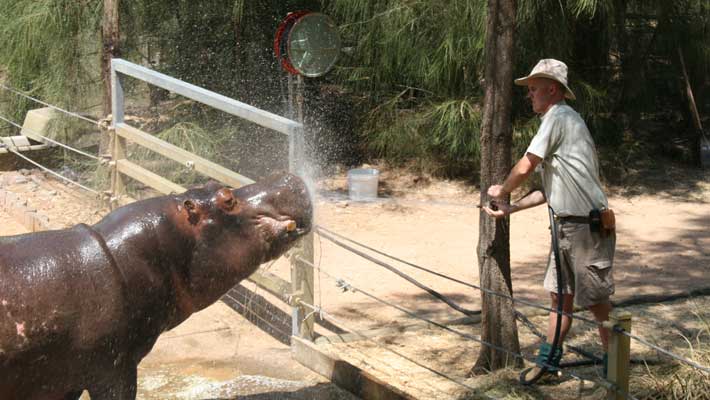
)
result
[(182, 156), (272, 284), (25, 148), (151, 179), (344, 374), (218, 101), (36, 122)]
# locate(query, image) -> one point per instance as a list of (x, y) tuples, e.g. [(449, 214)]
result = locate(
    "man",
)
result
[(565, 151)]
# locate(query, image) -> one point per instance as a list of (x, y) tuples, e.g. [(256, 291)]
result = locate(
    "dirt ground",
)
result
[(663, 247)]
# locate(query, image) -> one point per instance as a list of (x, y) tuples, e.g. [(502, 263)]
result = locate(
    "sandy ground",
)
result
[(663, 246)]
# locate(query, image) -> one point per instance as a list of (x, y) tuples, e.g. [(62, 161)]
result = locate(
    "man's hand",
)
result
[(497, 192), (503, 210)]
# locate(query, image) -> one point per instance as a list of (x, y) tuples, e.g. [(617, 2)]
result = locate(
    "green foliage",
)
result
[(185, 135), (622, 57), (415, 67), (416, 63), (49, 51)]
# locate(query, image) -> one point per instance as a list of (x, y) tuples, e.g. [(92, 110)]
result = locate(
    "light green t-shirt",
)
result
[(570, 168)]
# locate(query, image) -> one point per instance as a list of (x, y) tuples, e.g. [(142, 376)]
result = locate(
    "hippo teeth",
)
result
[(287, 225), (290, 226)]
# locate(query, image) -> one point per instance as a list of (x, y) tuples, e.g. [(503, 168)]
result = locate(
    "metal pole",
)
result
[(118, 144), (619, 354), (301, 273)]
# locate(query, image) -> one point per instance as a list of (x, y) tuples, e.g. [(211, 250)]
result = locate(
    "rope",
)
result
[(88, 189), (51, 140), (404, 276), (321, 229), (17, 92)]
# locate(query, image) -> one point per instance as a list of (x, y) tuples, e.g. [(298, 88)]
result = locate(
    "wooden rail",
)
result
[(184, 157), (301, 286)]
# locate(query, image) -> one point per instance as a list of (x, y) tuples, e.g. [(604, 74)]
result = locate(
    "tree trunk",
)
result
[(110, 49), (498, 325), (696, 151)]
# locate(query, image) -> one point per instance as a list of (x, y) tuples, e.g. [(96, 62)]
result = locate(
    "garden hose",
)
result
[(556, 338)]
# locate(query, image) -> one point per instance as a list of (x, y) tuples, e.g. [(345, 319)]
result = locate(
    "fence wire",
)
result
[(330, 236), (88, 189), (73, 114), (50, 140), (349, 287)]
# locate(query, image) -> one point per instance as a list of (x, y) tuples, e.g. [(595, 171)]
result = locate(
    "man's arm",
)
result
[(518, 175), (532, 199)]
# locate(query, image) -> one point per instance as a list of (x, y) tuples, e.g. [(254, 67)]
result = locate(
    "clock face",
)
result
[(307, 43)]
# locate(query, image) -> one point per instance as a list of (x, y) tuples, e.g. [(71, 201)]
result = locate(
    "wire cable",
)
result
[(663, 351), (348, 287), (17, 92), (88, 189), (50, 140), (406, 277), (328, 232), (321, 229)]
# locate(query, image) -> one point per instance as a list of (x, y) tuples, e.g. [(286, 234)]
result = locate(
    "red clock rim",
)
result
[(284, 27)]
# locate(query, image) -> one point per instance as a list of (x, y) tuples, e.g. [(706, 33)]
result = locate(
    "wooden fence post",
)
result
[(619, 354)]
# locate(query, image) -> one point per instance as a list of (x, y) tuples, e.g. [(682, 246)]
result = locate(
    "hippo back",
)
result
[(55, 298)]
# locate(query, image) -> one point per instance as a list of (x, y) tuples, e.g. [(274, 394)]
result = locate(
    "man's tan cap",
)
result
[(551, 69)]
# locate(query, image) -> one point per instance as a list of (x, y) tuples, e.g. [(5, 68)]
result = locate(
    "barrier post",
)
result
[(619, 354), (118, 144)]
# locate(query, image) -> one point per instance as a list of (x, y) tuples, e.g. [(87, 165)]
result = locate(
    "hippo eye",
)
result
[(225, 199)]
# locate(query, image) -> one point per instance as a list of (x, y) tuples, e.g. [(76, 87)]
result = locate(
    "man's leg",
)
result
[(546, 349), (601, 313), (568, 307)]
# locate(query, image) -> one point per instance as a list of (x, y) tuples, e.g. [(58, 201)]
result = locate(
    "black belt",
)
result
[(573, 219)]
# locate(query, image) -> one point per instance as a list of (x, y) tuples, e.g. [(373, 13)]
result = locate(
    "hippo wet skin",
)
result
[(80, 307)]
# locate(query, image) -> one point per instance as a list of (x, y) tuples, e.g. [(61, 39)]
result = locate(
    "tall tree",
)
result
[(498, 325), (109, 50)]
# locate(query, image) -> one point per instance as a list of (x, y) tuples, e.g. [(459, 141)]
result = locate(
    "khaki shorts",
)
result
[(586, 262)]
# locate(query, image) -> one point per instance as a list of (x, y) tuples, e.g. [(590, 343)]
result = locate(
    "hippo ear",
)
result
[(192, 212), (225, 199)]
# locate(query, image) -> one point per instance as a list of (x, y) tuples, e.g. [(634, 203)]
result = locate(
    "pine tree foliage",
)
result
[(48, 49), (410, 58), (414, 66)]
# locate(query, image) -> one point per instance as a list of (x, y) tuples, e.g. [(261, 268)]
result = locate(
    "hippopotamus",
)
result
[(80, 307)]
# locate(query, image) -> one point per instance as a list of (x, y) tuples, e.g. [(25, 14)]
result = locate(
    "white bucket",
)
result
[(362, 184)]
